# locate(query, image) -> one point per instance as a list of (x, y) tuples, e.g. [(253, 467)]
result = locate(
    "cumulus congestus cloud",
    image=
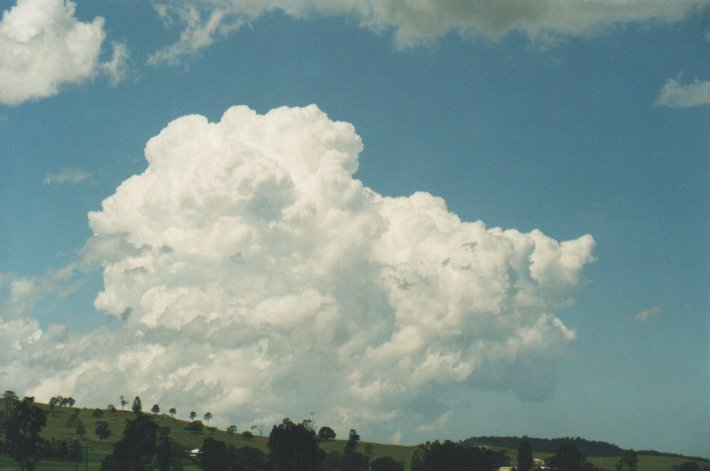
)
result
[(254, 274)]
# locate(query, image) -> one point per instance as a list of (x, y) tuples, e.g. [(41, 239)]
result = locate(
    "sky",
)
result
[(419, 219)]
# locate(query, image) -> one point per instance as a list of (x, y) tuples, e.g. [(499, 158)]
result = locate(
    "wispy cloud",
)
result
[(67, 175), (645, 315), (437, 424), (117, 69), (674, 94), (413, 22)]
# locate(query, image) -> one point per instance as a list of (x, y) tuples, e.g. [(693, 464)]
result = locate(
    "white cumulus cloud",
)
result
[(43, 46), (251, 274), (675, 94), (417, 21)]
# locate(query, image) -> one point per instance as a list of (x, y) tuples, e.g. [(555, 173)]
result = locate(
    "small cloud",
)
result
[(437, 424), (645, 315), (67, 175), (674, 94), (396, 438), (118, 67), (43, 47)]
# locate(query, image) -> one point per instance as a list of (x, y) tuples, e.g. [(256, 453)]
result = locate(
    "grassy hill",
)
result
[(61, 425)]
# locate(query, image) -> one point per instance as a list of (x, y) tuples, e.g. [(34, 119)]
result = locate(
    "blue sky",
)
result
[(589, 122)]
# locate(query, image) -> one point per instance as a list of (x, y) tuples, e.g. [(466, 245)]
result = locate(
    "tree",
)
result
[(155, 409), (688, 466), (247, 435), (195, 426), (334, 461), (70, 401), (164, 453), (97, 413), (567, 458), (10, 396), (80, 428), (10, 399), (214, 455), (22, 440), (136, 449), (628, 462), (111, 408), (449, 456), (386, 463), (208, 416), (248, 458), (137, 406), (53, 403), (326, 433), (525, 456), (103, 431), (124, 402), (173, 411), (232, 429), (294, 447), (354, 461), (353, 440), (193, 414)]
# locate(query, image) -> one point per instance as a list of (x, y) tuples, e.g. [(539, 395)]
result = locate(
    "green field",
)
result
[(97, 449)]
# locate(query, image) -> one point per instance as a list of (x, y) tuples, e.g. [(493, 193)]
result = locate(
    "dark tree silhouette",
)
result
[(155, 409), (386, 463), (22, 440), (294, 447), (194, 426), (136, 449), (103, 431), (688, 466), (326, 433), (193, 414), (208, 417), (628, 462), (173, 411), (525, 456), (97, 413), (124, 402), (137, 406), (214, 455), (354, 461), (248, 458), (80, 427), (232, 429), (568, 458), (449, 456)]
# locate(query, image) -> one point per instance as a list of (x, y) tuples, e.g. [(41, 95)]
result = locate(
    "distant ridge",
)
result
[(550, 445)]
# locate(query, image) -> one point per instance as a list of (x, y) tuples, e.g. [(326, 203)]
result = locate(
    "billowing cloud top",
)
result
[(254, 275), (415, 21), (43, 46)]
